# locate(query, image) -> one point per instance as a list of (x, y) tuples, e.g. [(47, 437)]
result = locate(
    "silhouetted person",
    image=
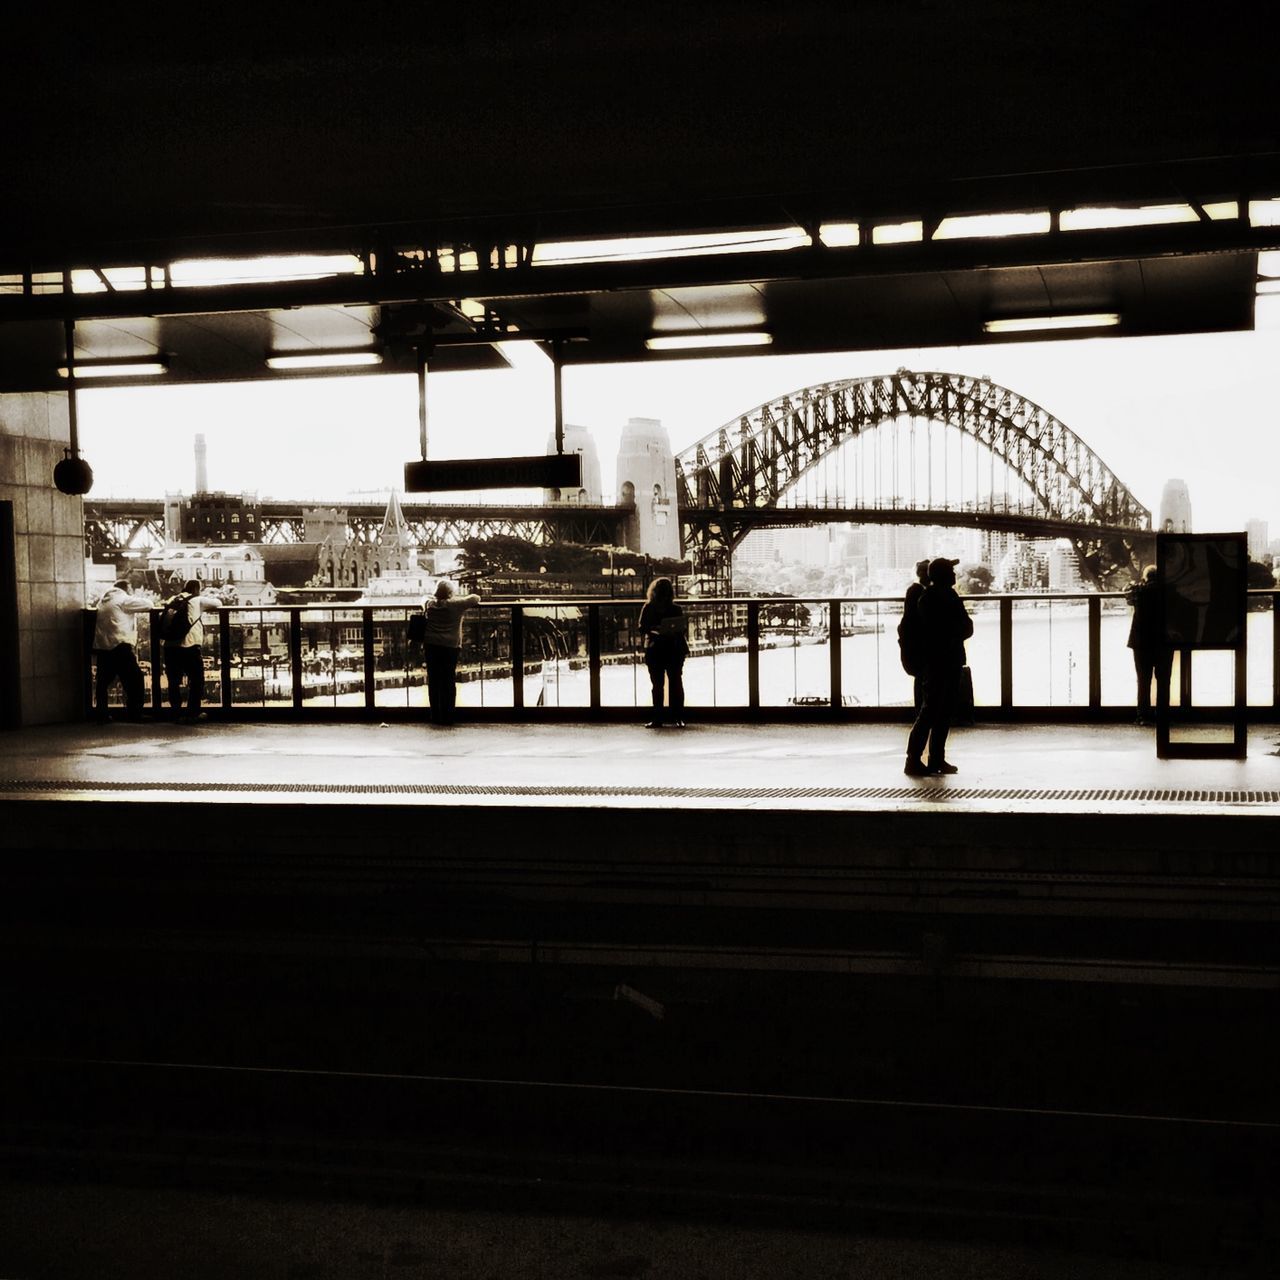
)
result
[(183, 656), (663, 625), (442, 643), (115, 633), (909, 633), (945, 625), (1152, 654)]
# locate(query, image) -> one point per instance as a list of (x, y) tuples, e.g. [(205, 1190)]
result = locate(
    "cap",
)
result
[(940, 567)]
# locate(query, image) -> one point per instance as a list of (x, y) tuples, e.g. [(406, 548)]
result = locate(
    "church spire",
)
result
[(395, 529)]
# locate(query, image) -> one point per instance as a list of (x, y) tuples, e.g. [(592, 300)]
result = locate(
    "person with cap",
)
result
[(909, 632), (944, 625), (115, 632)]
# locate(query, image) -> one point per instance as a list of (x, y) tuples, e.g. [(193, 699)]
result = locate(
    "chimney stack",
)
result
[(202, 470)]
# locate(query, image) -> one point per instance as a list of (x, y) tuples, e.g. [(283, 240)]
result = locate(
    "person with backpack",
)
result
[(944, 627), (441, 634), (182, 634), (909, 633), (115, 633), (663, 628)]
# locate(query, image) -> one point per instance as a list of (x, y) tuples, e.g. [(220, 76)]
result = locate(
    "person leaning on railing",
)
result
[(1152, 653), (183, 655), (442, 643), (115, 633)]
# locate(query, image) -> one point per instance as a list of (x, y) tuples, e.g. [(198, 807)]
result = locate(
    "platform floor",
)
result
[(1069, 768)]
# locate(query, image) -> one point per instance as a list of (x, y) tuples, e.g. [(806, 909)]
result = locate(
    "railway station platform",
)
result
[(721, 973)]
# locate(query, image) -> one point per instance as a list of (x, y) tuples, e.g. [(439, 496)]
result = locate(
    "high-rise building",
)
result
[(1257, 533), (647, 482), (578, 440), (1175, 507)]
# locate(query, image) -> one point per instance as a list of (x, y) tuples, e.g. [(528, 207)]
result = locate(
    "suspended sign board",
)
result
[(1204, 588), (549, 471)]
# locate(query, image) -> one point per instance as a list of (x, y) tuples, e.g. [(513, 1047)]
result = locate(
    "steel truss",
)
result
[(728, 480)]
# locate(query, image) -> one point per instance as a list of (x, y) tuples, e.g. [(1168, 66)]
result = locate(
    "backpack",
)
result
[(175, 620), (911, 636), (418, 627)]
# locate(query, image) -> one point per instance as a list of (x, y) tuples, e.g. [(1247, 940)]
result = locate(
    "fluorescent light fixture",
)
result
[(1223, 210), (897, 233), (1029, 324), (125, 367), (323, 359), (210, 272), (692, 341), (1093, 219), (1268, 286), (835, 235), (636, 248), (1264, 213), (1269, 262), (993, 225)]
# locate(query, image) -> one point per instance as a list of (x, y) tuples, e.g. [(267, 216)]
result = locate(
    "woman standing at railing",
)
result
[(663, 626), (442, 642)]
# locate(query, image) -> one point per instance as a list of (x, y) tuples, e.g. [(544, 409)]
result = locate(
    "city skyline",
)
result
[(1194, 407)]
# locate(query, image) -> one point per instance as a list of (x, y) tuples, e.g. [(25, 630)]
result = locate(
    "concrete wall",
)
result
[(49, 556)]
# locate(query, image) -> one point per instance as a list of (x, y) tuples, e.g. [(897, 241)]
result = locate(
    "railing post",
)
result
[(157, 662), (366, 648), (224, 657), (517, 657), (833, 642), (1095, 651), (295, 655), (1006, 652), (753, 653), (1184, 677), (1275, 650), (593, 652)]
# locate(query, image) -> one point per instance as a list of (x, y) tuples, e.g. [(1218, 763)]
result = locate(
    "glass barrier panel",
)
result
[(484, 664), (250, 656), (1067, 653), (795, 654), (871, 673), (322, 633), (1261, 638), (982, 651), (210, 649), (555, 656), (715, 672), (624, 680), (399, 673), (1118, 676)]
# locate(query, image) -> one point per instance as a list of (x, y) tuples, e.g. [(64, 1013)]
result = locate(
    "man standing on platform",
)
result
[(182, 633), (945, 625), (115, 633)]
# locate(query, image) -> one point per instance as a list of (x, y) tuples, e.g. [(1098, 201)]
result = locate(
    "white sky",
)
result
[(1199, 407)]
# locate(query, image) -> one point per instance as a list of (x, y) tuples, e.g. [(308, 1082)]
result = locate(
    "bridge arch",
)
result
[(748, 465)]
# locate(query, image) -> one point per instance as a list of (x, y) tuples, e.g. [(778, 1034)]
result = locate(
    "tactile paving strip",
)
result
[(931, 790)]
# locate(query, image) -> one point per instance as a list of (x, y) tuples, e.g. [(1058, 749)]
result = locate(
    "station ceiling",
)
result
[(408, 150)]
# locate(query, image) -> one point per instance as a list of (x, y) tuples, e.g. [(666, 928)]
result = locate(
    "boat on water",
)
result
[(404, 587)]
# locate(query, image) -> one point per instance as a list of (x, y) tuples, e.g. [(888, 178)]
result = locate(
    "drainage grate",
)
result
[(935, 791)]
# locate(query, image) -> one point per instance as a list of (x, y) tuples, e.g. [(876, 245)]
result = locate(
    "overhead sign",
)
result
[(545, 471)]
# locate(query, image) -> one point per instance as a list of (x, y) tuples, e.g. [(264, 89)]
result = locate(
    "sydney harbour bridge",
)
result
[(931, 449)]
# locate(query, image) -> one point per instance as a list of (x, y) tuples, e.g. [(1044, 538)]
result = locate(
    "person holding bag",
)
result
[(663, 626)]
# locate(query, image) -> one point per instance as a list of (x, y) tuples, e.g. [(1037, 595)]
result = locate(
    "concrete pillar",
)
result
[(647, 477), (48, 557)]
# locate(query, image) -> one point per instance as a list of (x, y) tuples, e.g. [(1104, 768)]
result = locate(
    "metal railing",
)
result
[(1042, 656)]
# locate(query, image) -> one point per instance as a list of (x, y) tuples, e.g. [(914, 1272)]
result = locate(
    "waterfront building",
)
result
[(220, 517), (342, 561), (241, 570), (1064, 567), (1175, 507)]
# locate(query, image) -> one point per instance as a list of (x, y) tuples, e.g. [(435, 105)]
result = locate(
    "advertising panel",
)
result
[(1204, 583)]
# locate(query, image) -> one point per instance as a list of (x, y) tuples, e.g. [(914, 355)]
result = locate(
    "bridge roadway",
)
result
[(730, 970)]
